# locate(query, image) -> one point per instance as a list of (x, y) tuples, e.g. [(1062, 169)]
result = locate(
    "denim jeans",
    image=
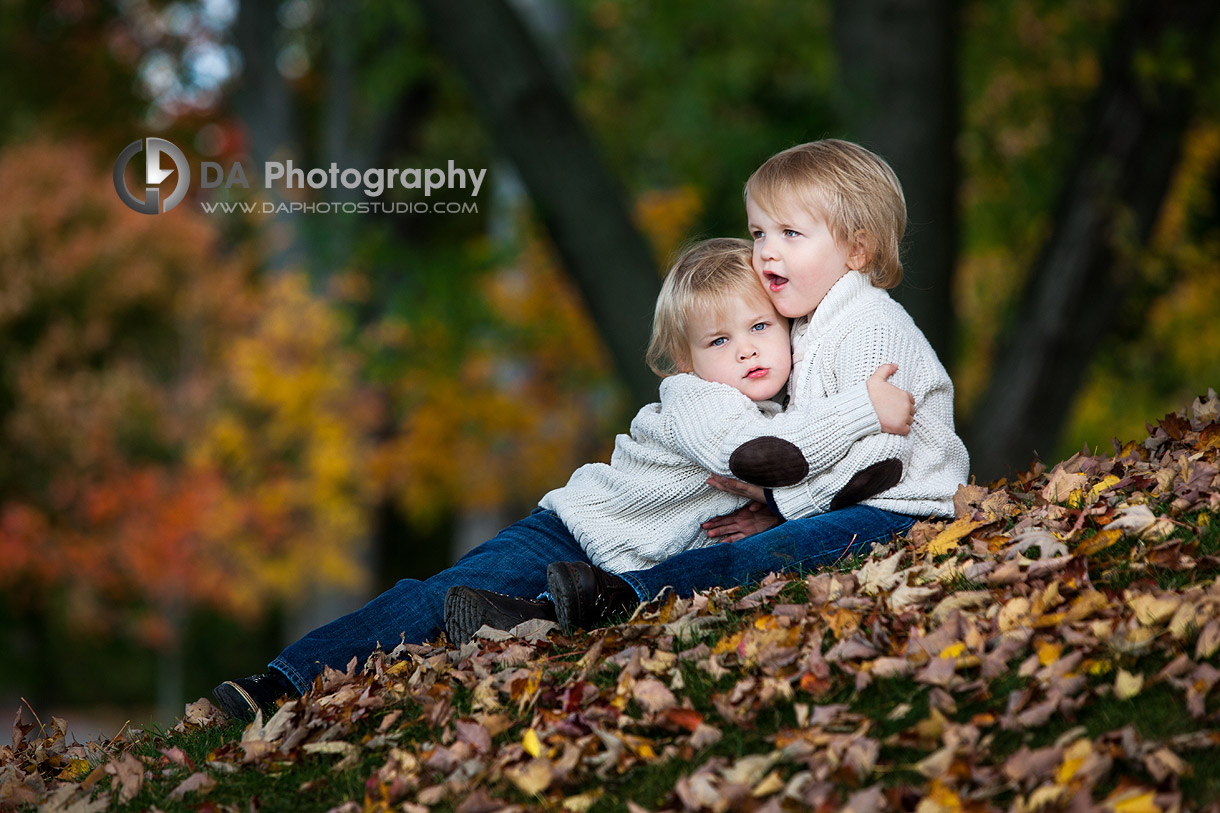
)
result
[(799, 544), (515, 562)]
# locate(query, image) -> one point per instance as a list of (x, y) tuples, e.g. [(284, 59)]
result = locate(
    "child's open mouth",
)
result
[(775, 281), (757, 372)]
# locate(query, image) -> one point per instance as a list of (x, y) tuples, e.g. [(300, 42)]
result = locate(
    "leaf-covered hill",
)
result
[(1052, 648)]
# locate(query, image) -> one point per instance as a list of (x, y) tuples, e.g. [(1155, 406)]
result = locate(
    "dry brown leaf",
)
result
[(198, 782), (128, 773), (653, 695)]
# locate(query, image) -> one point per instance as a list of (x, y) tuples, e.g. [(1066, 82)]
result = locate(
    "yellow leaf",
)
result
[(940, 799), (1097, 667), (1073, 758), (531, 743), (953, 650), (1103, 540), (1137, 803), (728, 644), (947, 539), (771, 783), (1085, 604), (1048, 652), (1101, 486)]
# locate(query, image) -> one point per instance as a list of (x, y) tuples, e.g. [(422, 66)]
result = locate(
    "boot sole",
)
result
[(461, 615), (565, 592), (467, 611)]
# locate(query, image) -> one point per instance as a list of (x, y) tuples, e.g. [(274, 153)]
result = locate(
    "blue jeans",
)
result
[(515, 562)]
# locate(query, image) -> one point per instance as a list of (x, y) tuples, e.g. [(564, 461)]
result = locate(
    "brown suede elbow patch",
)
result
[(768, 462)]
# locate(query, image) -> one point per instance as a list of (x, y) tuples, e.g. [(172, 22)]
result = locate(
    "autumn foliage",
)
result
[(1053, 647), (181, 430)]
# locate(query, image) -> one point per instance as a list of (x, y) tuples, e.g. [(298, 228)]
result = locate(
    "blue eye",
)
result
[(718, 341), (791, 233), (761, 326), (757, 235)]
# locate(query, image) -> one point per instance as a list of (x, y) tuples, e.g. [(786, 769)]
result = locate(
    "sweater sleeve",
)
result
[(708, 422), (858, 356)]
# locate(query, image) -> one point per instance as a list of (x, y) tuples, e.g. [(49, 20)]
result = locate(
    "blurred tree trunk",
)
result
[(531, 120), (264, 101), (1109, 204), (898, 74)]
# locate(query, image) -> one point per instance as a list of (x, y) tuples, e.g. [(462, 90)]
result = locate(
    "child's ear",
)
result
[(859, 252)]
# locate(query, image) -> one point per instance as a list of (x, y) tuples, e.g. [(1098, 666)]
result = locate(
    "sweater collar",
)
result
[(838, 300)]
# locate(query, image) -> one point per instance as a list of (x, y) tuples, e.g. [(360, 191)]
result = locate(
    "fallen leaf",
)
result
[(198, 782), (947, 540), (1060, 484), (532, 777), (128, 773), (1127, 685)]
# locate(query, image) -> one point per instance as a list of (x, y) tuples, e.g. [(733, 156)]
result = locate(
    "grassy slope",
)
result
[(1056, 643)]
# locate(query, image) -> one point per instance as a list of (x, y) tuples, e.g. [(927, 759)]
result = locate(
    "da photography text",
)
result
[(372, 182)]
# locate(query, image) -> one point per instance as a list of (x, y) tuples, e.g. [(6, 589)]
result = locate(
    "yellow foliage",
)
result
[(293, 434)]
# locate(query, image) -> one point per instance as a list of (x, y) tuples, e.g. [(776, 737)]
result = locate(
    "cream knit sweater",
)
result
[(855, 329), (648, 503)]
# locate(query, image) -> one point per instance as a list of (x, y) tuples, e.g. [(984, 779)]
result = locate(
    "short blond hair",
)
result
[(703, 279), (853, 189)]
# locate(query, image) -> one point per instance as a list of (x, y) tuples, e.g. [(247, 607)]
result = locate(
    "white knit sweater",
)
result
[(648, 503), (856, 328)]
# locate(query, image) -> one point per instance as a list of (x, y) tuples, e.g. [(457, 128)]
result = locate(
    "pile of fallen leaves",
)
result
[(1053, 647)]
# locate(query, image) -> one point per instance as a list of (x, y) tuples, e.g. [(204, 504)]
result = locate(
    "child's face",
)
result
[(796, 257), (745, 347)]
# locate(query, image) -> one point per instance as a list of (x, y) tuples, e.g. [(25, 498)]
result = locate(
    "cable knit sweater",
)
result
[(856, 328), (648, 503)]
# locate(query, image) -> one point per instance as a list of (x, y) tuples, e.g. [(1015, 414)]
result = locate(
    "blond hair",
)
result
[(853, 189), (702, 280)]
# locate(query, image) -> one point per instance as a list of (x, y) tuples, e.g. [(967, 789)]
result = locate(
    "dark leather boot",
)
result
[(242, 698), (468, 608), (586, 596)]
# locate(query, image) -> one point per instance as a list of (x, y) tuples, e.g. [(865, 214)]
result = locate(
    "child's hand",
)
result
[(750, 519), (737, 487), (895, 408)]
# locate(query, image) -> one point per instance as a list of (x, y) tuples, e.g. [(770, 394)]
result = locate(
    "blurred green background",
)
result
[(219, 429)]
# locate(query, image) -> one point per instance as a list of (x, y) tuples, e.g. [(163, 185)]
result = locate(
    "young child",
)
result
[(714, 322), (717, 340), (826, 218)]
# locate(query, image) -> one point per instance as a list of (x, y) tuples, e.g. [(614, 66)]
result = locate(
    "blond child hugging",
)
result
[(722, 350), (826, 219), (730, 347)]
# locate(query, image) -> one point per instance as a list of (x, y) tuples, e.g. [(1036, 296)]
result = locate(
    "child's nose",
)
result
[(747, 351)]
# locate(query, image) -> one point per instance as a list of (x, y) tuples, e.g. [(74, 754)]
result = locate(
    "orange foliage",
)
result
[(175, 433)]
